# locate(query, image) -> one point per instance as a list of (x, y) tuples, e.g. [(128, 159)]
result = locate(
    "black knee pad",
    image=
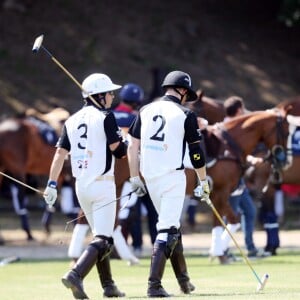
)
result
[(172, 239), (103, 244), (179, 247)]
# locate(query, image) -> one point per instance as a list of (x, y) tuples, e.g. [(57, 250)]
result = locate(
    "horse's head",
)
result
[(268, 127), (208, 108), (196, 105)]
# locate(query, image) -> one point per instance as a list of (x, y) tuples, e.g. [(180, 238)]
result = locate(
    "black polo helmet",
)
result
[(180, 79)]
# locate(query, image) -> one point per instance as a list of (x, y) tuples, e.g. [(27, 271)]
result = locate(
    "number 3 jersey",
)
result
[(87, 135), (164, 127)]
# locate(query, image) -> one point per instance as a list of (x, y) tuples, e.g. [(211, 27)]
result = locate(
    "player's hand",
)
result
[(202, 191), (138, 186), (50, 193)]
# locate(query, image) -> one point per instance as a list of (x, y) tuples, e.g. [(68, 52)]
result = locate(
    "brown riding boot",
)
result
[(180, 269), (158, 262), (73, 279), (104, 271)]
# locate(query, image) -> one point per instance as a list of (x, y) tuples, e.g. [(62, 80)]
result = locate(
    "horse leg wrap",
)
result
[(226, 238), (122, 247), (216, 248), (77, 241)]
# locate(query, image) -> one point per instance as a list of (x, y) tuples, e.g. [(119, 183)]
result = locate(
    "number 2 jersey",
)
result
[(164, 127), (87, 135)]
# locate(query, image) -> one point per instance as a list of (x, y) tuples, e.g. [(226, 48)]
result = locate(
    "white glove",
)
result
[(138, 186), (202, 191), (50, 193)]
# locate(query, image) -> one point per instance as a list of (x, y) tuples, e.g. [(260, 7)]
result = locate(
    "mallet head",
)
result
[(263, 280), (37, 43)]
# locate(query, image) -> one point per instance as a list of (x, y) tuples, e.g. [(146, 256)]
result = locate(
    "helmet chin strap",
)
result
[(181, 95), (99, 99)]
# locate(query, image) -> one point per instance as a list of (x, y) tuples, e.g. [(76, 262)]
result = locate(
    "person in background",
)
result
[(92, 138), (157, 141), (131, 98), (240, 199)]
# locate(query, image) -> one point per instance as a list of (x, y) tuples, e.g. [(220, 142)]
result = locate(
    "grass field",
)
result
[(40, 280)]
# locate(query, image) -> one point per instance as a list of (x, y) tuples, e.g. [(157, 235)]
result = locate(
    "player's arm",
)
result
[(114, 137)]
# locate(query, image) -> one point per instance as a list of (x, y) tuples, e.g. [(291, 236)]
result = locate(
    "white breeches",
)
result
[(98, 201)]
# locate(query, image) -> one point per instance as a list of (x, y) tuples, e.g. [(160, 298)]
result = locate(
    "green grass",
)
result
[(40, 280)]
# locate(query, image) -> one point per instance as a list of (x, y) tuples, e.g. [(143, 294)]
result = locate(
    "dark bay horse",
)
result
[(230, 143)]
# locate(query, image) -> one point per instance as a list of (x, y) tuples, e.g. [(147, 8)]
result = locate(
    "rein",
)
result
[(234, 153), (278, 154)]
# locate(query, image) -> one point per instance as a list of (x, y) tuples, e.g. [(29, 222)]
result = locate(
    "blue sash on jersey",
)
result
[(296, 142)]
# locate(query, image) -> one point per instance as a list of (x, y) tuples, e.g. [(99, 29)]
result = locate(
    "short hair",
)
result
[(232, 105)]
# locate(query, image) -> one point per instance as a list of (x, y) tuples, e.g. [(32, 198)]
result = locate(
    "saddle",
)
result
[(49, 124), (220, 146), (55, 118)]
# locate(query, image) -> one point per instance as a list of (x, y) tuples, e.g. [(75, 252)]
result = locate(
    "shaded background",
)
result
[(228, 46)]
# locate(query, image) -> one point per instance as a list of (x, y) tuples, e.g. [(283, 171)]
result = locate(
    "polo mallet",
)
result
[(42, 193), (38, 45), (261, 281), (22, 183), (115, 200)]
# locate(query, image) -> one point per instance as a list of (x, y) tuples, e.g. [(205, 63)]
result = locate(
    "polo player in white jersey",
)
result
[(93, 140), (159, 136)]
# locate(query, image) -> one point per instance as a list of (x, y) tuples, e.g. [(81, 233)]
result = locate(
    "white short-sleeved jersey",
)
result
[(88, 144), (164, 127)]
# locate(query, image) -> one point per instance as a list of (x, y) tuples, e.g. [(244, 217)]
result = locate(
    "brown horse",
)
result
[(267, 187), (230, 143), (213, 111), (23, 151), (208, 108)]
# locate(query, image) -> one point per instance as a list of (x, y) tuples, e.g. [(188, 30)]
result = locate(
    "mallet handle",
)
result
[(70, 75), (22, 183), (234, 240)]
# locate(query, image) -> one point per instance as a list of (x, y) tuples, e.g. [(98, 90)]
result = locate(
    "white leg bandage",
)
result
[(225, 235), (66, 200), (77, 242), (216, 248), (123, 248), (279, 203)]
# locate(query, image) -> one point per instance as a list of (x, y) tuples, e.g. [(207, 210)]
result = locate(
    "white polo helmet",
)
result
[(98, 83)]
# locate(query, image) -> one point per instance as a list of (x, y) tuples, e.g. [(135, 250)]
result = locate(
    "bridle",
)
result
[(279, 152), (277, 156)]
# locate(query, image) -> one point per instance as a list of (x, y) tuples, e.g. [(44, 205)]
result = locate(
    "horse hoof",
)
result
[(224, 260), (211, 258), (30, 238), (47, 230)]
